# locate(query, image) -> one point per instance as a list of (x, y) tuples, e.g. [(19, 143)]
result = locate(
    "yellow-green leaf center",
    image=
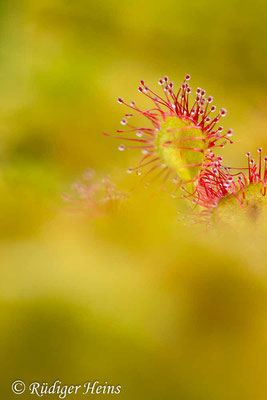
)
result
[(181, 145)]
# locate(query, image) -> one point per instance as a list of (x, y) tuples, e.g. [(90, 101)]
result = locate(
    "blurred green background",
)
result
[(134, 298)]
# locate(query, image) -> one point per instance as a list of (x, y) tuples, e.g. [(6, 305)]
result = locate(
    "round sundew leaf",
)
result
[(252, 206), (181, 144)]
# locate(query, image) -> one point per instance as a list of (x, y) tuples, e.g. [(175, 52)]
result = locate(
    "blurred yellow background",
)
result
[(137, 298)]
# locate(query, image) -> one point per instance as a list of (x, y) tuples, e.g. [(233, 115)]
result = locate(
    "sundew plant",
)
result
[(181, 142), (178, 134), (178, 140)]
